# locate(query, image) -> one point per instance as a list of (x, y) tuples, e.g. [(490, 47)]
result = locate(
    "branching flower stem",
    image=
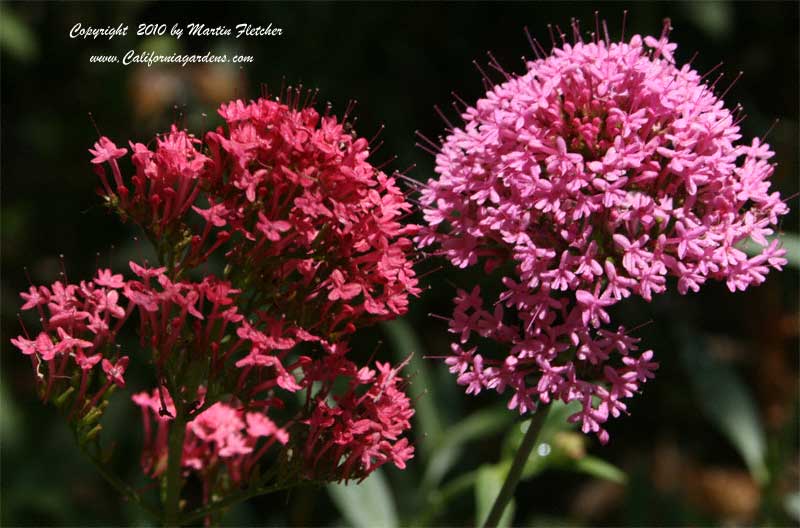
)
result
[(232, 500), (123, 488)]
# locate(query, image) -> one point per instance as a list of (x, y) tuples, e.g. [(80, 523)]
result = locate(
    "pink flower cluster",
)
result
[(309, 208), (362, 430), (84, 320), (79, 324), (310, 245), (599, 173), (288, 197), (222, 434), (165, 185), (347, 439)]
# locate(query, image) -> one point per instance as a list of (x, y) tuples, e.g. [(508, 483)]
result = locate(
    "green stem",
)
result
[(231, 500), (123, 488), (514, 474), (177, 432)]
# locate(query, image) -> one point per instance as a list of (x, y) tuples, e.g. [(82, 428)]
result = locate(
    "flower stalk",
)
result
[(515, 472), (177, 434)]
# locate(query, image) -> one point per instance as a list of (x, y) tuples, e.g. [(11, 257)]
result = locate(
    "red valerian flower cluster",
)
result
[(362, 429), (599, 173), (222, 434), (79, 324), (309, 242)]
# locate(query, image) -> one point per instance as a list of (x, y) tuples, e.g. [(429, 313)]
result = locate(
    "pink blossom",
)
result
[(34, 297), (105, 150), (106, 278), (600, 172), (115, 371)]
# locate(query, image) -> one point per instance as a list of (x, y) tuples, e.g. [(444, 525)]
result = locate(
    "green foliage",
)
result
[(487, 487), (598, 468), (480, 424), (366, 505), (727, 403), (560, 448), (792, 504), (406, 345), (15, 37)]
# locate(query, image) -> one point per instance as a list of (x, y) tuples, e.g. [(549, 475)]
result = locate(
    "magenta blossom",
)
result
[(603, 170)]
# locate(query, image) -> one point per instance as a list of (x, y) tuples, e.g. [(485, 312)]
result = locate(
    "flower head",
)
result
[(602, 170)]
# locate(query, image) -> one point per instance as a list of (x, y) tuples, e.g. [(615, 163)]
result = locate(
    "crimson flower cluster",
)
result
[(222, 435), (309, 240), (363, 427), (79, 324), (597, 174)]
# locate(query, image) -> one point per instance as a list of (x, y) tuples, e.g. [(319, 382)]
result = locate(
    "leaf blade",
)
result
[(404, 342), (487, 487), (599, 468), (366, 505), (477, 425), (729, 406)]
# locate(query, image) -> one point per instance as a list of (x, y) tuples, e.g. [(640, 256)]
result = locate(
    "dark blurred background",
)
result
[(713, 440)]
